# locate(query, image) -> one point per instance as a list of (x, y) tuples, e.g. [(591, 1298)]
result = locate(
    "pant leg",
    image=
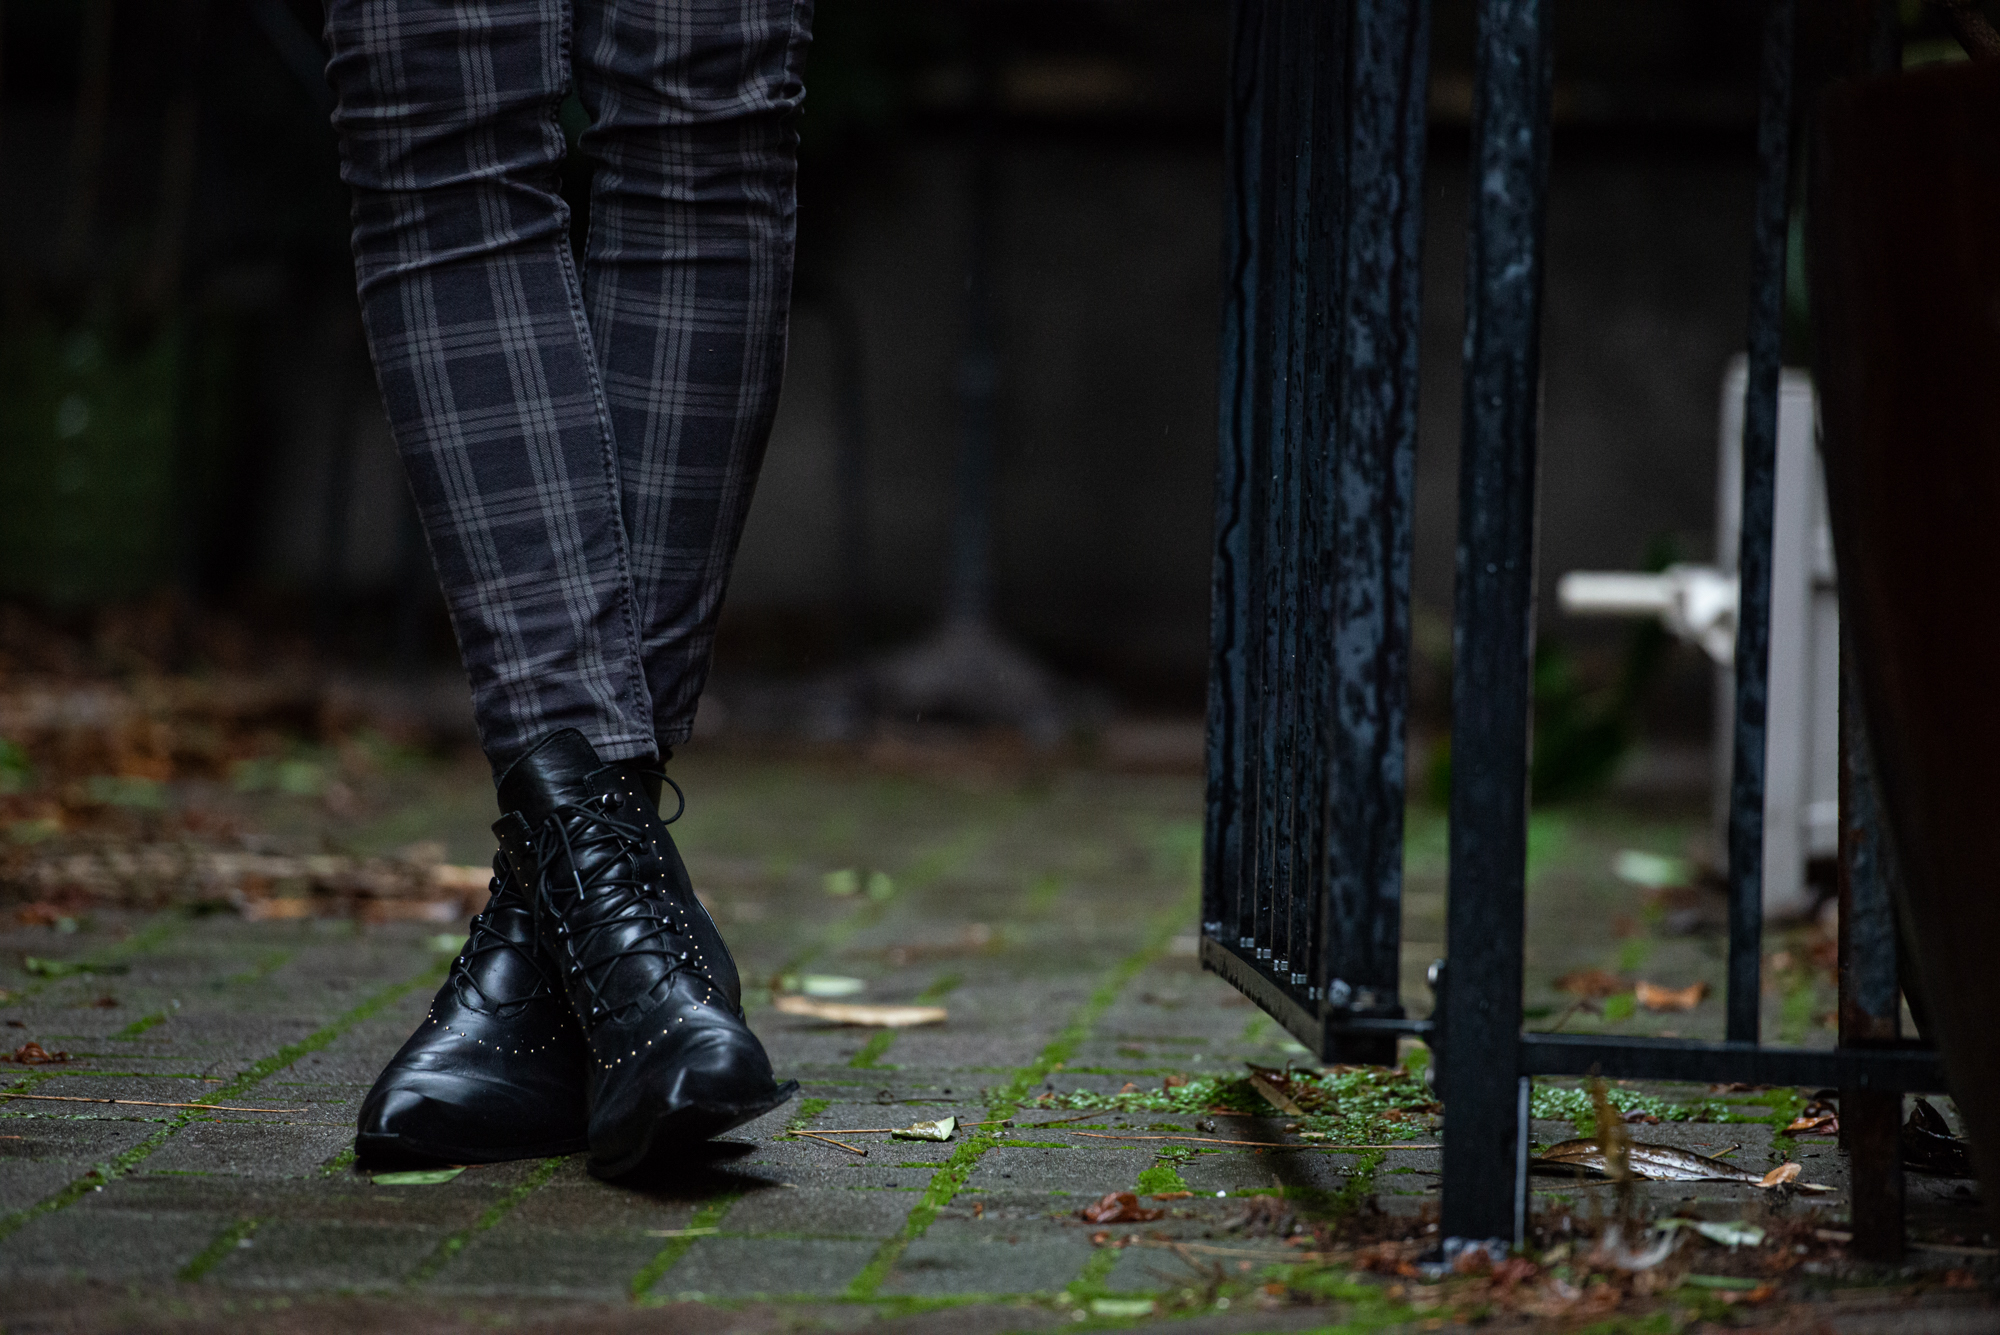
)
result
[(688, 274), (446, 113)]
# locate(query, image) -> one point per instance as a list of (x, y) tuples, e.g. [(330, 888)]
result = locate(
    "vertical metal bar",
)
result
[(1870, 1002), (1323, 372), (1370, 505), (1279, 440), (1494, 632), (1226, 859), (1753, 560)]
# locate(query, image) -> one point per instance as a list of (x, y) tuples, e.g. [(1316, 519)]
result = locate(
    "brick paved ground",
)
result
[(1049, 910)]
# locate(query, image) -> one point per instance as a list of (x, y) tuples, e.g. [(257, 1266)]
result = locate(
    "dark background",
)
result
[(187, 417)]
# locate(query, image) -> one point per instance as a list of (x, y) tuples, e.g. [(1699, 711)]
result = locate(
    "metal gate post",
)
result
[(1493, 644), (1870, 997), (1302, 875), (1753, 557)]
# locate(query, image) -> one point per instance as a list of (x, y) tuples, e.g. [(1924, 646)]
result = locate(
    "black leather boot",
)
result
[(671, 1060), (496, 1070)]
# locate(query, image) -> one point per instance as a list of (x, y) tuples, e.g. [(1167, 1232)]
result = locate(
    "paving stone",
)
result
[(252, 1149), (725, 1267), (1062, 879), (821, 1212), (1088, 1173), (957, 1257), (23, 1182), (110, 1244), (304, 1255), (510, 1259)]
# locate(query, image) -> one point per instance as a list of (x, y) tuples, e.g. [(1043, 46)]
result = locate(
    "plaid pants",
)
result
[(582, 452)]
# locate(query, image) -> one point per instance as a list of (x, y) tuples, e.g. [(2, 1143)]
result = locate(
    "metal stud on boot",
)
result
[(497, 1068), (671, 1060)]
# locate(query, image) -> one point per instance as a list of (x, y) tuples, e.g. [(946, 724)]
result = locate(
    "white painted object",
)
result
[(1698, 604)]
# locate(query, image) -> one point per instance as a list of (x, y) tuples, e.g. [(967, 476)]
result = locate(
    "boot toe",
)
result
[(466, 1116), (697, 1081)]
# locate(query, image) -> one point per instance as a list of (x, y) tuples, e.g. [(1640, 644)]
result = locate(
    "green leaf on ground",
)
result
[(425, 1177)]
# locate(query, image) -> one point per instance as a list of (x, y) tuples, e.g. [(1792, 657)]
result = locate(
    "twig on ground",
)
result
[(146, 1103), (1260, 1144)]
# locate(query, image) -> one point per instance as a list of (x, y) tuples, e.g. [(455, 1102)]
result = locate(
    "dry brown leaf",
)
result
[(871, 1016), (1119, 1207), (1656, 998), (33, 1054), (1276, 1097), (1825, 1124), (1592, 984), (1779, 1176)]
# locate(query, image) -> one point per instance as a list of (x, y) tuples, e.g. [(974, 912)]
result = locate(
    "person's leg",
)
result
[(446, 113), (688, 272)]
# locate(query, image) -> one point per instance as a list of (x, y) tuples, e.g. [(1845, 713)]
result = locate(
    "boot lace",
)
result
[(612, 894), (485, 939)]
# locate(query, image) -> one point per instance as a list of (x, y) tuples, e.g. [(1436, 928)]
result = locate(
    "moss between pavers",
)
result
[(710, 1215), (1006, 1102), (246, 1080)]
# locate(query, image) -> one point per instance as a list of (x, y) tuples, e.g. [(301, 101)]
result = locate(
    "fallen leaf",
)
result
[(424, 1177), (1172, 1195), (1276, 1097), (1122, 1308), (874, 1017), (1825, 1124), (1592, 984), (1729, 1233), (941, 1129), (1656, 998), (1119, 1207), (1781, 1175), (1172, 1082), (1660, 1163), (34, 1054), (1928, 1146)]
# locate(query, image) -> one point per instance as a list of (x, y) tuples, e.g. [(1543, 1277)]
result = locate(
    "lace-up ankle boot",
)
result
[(496, 1070), (671, 1060)]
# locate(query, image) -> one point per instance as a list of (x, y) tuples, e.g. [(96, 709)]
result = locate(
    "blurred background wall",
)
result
[(185, 400)]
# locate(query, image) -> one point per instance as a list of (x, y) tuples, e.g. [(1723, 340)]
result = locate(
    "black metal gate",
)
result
[(1302, 875)]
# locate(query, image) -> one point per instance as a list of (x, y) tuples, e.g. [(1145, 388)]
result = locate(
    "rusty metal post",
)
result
[(1870, 1004)]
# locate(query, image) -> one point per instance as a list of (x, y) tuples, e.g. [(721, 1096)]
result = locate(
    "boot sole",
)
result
[(673, 1132), (379, 1149)]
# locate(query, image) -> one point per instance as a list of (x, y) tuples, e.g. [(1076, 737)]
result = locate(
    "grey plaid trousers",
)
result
[(582, 453)]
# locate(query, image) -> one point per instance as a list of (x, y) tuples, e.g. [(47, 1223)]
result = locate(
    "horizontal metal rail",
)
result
[(1909, 1067), (1912, 1068)]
